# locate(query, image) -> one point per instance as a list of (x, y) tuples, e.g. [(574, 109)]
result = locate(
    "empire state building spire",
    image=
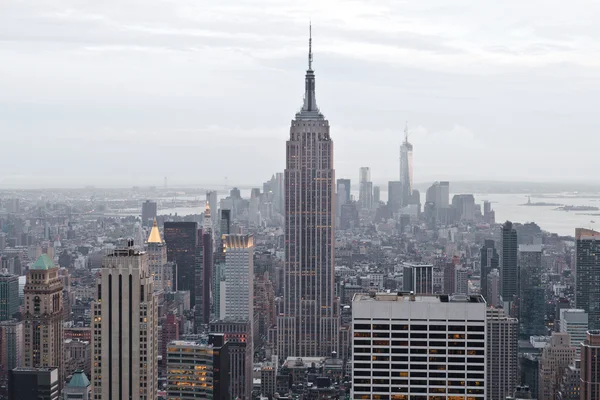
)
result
[(309, 108)]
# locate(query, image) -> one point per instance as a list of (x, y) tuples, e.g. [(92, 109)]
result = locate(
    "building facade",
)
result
[(125, 328), (309, 323), (161, 269), (44, 316), (408, 346), (509, 267), (587, 268), (590, 366), (149, 212), (28, 383), (575, 322), (556, 357), (9, 296), (182, 241), (532, 304), (406, 169), (502, 354)]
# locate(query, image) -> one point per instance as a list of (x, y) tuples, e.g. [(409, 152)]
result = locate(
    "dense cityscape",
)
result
[(313, 286)]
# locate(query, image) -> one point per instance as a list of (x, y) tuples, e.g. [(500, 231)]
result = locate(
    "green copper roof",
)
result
[(44, 262), (79, 380)]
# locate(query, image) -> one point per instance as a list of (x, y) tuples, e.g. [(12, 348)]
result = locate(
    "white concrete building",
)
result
[(406, 345), (237, 290), (574, 322)]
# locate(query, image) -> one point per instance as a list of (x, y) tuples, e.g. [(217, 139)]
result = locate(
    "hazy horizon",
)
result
[(123, 93)]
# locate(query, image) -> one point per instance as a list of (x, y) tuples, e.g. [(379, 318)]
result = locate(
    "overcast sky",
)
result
[(126, 92)]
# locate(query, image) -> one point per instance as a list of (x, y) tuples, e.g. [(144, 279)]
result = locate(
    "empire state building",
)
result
[(309, 323)]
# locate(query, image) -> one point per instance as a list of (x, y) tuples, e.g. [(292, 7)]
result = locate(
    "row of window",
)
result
[(417, 382), (417, 374), (418, 335), (406, 327), (360, 357), (418, 343), (473, 366)]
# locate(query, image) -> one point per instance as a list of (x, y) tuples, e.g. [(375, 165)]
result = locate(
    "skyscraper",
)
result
[(365, 186), (211, 200), (556, 356), (532, 294), (489, 261), (395, 195), (204, 271), (162, 271), (44, 316), (310, 322), (590, 365), (575, 323), (34, 383), (587, 270), (502, 354), (11, 347), (509, 268), (149, 212), (125, 328), (182, 240), (9, 296), (238, 289), (406, 169), (343, 195), (418, 346)]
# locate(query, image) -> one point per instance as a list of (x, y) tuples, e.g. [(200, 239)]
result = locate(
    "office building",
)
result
[(204, 272), (587, 269), (125, 328), (169, 331), (556, 356), (182, 242), (78, 388), (407, 346), (461, 280), (417, 278), (570, 383), (349, 217), (365, 188), (196, 371), (532, 301), (502, 354), (509, 267), (238, 290), (43, 318), (11, 347), (590, 366), (406, 169), (493, 297), (464, 204), (395, 195), (575, 323), (309, 322), (238, 336), (28, 383), (9, 296), (149, 212), (376, 196), (225, 222), (161, 269), (489, 261), (212, 204), (343, 195)]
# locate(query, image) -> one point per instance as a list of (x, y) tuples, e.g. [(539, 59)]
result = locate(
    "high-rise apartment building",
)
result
[(44, 316), (502, 354), (590, 366), (461, 280), (149, 212), (575, 323), (161, 269), (556, 356), (182, 243), (509, 266), (27, 383), (309, 323), (125, 328), (408, 346), (406, 169), (9, 296), (204, 272), (532, 304), (587, 270), (489, 261)]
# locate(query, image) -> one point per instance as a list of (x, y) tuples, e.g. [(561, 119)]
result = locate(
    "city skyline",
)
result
[(147, 76)]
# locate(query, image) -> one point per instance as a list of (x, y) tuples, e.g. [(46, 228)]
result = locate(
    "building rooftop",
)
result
[(409, 297), (154, 234), (43, 263), (79, 379)]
